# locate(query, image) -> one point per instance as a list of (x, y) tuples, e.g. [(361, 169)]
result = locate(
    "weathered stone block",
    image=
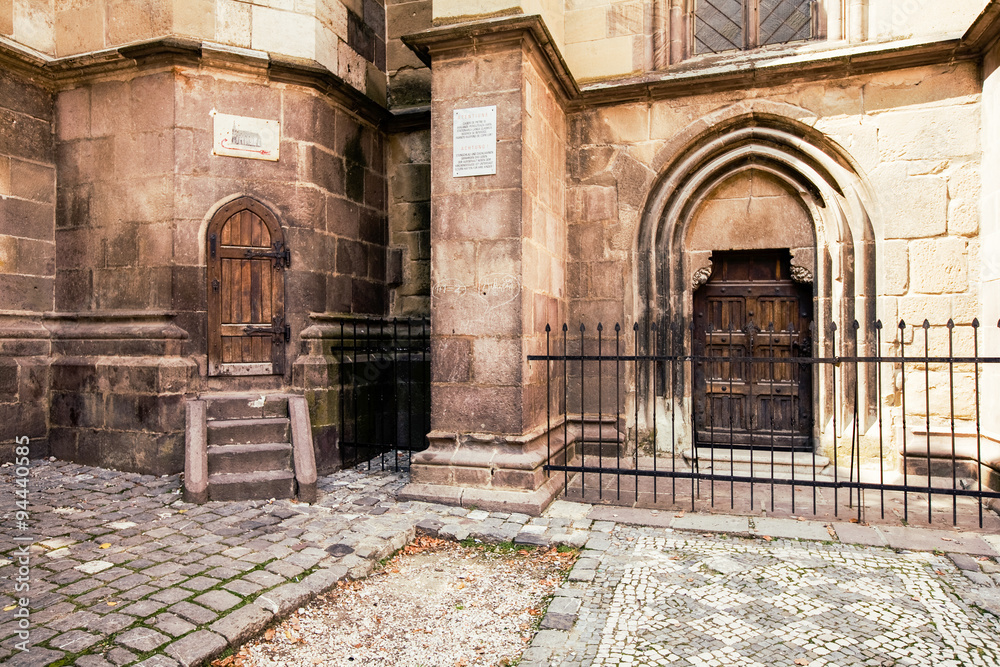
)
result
[(939, 265), (79, 29), (931, 134), (130, 21), (479, 409), (913, 207), (496, 361)]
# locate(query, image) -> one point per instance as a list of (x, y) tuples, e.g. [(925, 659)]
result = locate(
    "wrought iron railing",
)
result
[(384, 381), (894, 422)]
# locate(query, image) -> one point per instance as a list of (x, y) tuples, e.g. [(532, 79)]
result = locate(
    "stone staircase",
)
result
[(758, 463), (249, 447)]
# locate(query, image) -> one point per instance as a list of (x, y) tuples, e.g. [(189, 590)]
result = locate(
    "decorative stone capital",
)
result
[(801, 275), (701, 276)]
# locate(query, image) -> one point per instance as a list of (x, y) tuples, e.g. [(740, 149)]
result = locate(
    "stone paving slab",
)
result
[(124, 572), (936, 540), (791, 529)]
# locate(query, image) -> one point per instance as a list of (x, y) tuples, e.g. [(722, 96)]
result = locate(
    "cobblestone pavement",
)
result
[(670, 598), (123, 572)]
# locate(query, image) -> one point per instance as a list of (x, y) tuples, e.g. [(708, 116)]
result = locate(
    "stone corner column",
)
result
[(498, 252)]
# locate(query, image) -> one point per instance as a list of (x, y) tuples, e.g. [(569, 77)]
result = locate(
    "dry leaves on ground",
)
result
[(435, 603)]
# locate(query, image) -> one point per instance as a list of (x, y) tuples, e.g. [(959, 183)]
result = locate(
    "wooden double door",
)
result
[(752, 321), (247, 258)]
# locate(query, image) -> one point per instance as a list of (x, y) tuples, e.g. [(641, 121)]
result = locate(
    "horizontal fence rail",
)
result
[(384, 382), (880, 419)]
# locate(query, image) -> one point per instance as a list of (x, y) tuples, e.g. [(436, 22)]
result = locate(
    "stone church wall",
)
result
[(27, 259)]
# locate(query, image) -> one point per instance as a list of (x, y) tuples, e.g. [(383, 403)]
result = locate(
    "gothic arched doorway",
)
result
[(247, 258)]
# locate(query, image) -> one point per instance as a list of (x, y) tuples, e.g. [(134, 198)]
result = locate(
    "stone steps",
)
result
[(250, 457), (259, 485), (249, 446), (760, 463)]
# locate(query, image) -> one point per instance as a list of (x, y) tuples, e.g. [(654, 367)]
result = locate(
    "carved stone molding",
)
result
[(801, 274), (701, 276)]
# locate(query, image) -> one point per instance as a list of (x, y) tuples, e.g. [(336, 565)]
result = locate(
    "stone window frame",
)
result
[(674, 31)]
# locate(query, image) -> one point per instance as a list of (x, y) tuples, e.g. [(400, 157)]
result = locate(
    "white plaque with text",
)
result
[(240, 136), (475, 142)]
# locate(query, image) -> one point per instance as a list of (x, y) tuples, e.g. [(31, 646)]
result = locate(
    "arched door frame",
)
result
[(831, 189), (276, 257)]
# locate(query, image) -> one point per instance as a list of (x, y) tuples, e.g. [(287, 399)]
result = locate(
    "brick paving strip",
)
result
[(123, 572)]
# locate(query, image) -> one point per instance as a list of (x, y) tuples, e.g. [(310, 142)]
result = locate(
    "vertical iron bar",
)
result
[(878, 382), (814, 369), (395, 388), (672, 347), (618, 409), (856, 431), (770, 353), (731, 373), (656, 375), (583, 412), (600, 410), (354, 391), (927, 413), (548, 400), (979, 434), (836, 433), (951, 412), (343, 392), (635, 343), (902, 393), (565, 402), (696, 468)]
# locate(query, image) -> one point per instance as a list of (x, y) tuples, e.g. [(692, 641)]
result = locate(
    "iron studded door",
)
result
[(246, 291), (751, 308)]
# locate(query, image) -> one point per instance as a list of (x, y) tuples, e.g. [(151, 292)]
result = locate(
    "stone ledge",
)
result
[(495, 500)]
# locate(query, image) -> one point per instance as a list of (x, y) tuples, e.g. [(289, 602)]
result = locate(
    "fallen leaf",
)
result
[(939, 572), (269, 634), (10, 607), (947, 539), (181, 511), (459, 587), (678, 516), (802, 518), (106, 545), (766, 538), (112, 603), (854, 519), (801, 661)]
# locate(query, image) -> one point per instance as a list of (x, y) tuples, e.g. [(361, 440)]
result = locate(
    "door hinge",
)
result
[(282, 256), (288, 333), (211, 245)]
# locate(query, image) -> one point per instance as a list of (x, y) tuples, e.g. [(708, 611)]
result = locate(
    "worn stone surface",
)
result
[(148, 529)]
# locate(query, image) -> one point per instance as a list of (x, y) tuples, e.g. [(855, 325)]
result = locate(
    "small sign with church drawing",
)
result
[(240, 136)]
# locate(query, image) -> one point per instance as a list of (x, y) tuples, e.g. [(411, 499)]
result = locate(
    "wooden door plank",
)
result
[(256, 266), (254, 229), (245, 291), (265, 291)]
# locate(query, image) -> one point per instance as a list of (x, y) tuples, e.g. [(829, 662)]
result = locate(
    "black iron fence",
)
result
[(384, 383), (864, 423)]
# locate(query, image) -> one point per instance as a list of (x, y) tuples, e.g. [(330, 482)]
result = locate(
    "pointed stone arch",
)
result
[(760, 138)]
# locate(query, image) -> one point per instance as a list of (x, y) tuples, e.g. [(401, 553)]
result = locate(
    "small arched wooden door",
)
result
[(247, 259)]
